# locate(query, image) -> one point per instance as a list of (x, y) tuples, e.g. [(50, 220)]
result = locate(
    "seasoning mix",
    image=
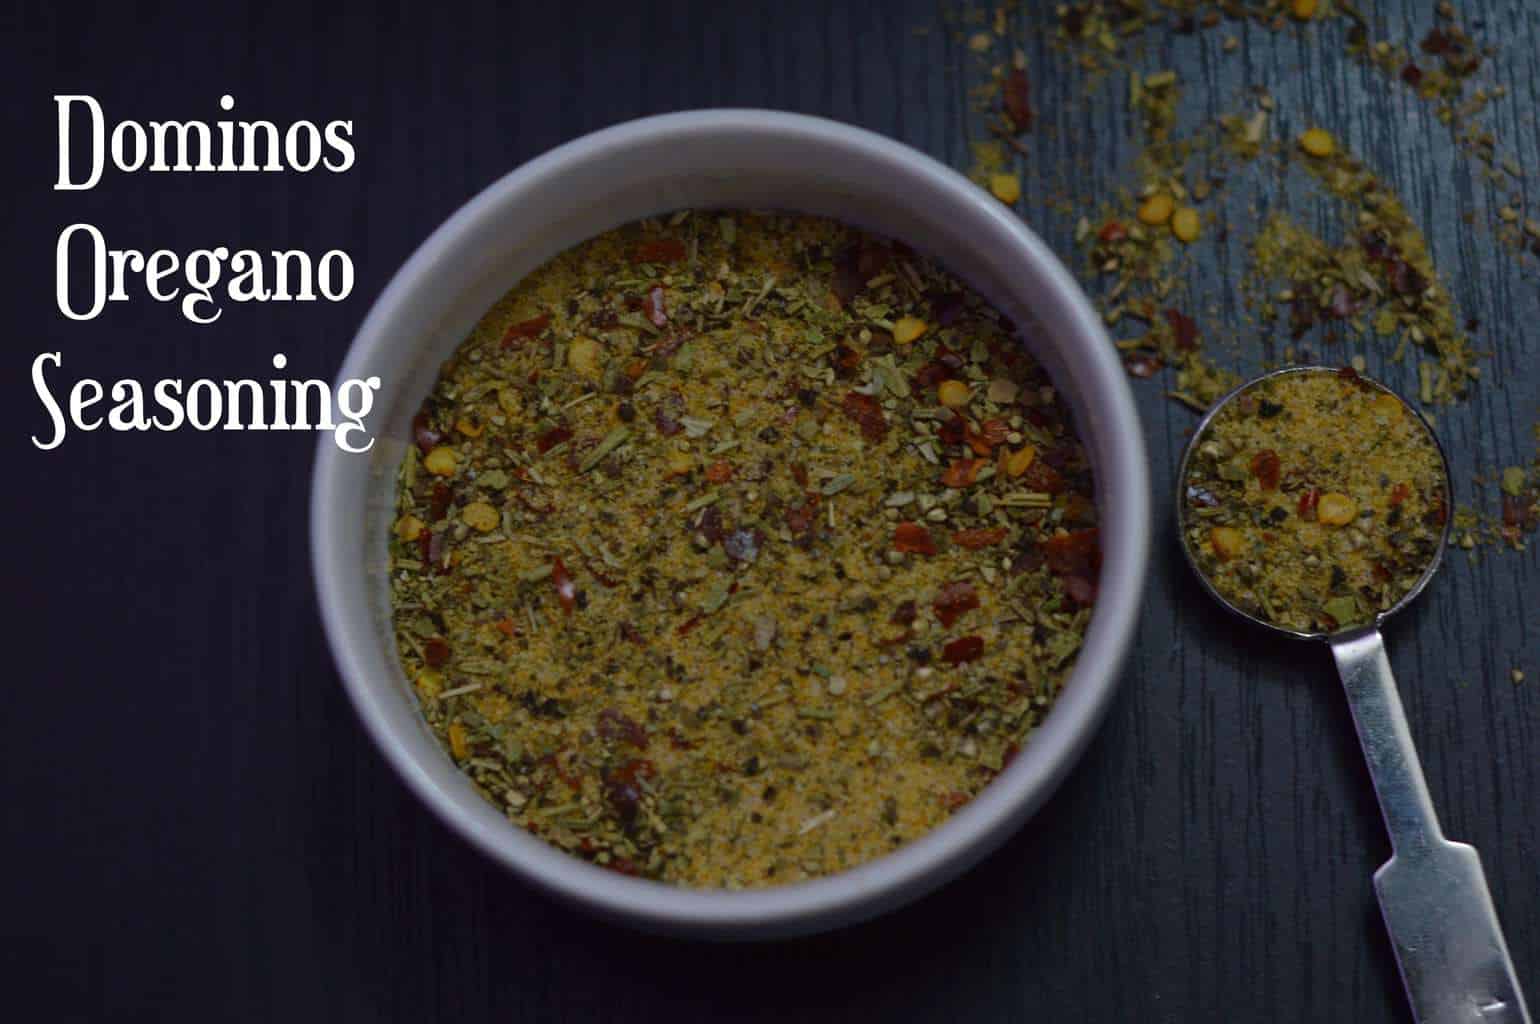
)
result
[(1369, 280), (1314, 500), (736, 550)]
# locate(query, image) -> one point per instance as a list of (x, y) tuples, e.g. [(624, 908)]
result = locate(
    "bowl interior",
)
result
[(719, 159)]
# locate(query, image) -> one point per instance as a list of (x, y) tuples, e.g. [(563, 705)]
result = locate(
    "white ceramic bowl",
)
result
[(703, 159)]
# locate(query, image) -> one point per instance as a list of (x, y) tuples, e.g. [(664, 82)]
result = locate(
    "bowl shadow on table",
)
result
[(1280, 660), (901, 966), (423, 925)]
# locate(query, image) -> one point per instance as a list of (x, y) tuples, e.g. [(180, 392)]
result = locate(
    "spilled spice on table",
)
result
[(1133, 244)]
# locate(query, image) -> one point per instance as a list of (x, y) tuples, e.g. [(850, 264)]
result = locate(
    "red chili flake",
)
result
[(964, 648), (1143, 364), (1112, 231), (954, 430), (1308, 500), (505, 626), (953, 600), (566, 593), (1184, 328), (662, 250), (435, 651), (963, 472), (689, 624), (635, 769), (1040, 476), (929, 375), (622, 790), (551, 438), (1399, 493), (424, 434), (710, 525), (439, 500), (1379, 572), (952, 799), (1080, 590), (865, 411), (1010, 755), (1435, 41), (1266, 468), (1411, 75), (945, 364), (979, 537), (904, 614), (989, 434), (631, 634), (1074, 554), (799, 474), (656, 312), (614, 724), (914, 539), (526, 329), (845, 360), (719, 472), (1016, 99), (800, 519)]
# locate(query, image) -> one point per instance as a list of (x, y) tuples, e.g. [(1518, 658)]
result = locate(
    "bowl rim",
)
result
[(920, 865)]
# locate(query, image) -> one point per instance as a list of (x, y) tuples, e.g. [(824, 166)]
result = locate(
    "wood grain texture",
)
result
[(194, 826)]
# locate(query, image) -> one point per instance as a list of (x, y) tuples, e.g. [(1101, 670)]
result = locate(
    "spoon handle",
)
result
[(1439, 913)]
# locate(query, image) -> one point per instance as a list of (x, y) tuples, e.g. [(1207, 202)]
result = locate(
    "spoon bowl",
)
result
[(1202, 430)]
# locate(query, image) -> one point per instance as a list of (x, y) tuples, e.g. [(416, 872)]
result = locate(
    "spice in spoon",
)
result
[(1314, 500)]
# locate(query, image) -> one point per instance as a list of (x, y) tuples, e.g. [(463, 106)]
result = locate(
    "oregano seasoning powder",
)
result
[(740, 549), (1314, 500)]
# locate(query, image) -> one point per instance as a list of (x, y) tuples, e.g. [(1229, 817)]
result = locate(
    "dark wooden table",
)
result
[(195, 828)]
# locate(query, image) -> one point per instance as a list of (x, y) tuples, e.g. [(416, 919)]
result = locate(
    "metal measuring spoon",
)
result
[(1433, 893)]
